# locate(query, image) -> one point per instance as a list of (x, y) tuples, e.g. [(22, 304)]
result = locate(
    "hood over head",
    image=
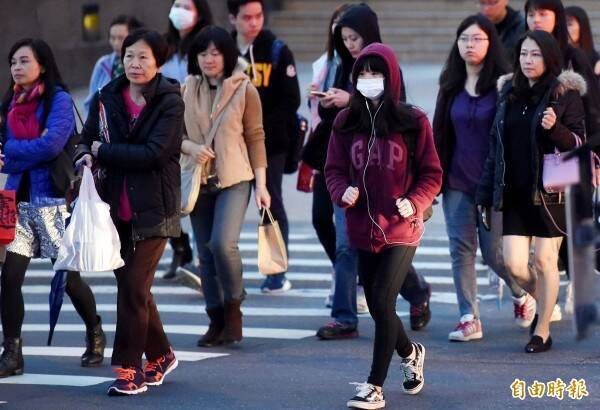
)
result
[(387, 55), (362, 19)]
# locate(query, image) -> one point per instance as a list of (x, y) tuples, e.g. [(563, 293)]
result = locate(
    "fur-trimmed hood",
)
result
[(568, 79)]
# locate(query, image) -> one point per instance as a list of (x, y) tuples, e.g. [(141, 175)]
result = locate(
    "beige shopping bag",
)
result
[(272, 255), (192, 175)]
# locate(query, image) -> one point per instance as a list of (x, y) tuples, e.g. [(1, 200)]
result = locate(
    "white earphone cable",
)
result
[(370, 144)]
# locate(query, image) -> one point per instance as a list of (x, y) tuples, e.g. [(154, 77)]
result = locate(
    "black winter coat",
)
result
[(278, 88), (147, 157), (566, 91), (510, 31)]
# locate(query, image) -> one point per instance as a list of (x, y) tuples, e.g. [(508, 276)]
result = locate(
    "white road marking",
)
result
[(252, 236), (253, 275), (200, 309), (250, 332), (318, 248), (55, 380), (59, 351)]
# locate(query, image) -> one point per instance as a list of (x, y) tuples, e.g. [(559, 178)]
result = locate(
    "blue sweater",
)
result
[(101, 76), (35, 156)]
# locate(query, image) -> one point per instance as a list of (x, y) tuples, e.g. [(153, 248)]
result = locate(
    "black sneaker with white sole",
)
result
[(367, 397), (414, 379)]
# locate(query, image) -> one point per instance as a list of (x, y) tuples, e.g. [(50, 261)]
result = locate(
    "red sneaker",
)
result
[(467, 329), (525, 308)]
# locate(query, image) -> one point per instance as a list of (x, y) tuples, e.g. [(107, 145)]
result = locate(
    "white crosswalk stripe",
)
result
[(200, 310), (266, 317), (251, 332)]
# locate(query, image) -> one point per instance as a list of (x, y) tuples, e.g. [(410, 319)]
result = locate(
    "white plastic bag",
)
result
[(91, 242)]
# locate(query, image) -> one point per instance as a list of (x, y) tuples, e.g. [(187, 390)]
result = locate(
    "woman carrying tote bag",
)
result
[(224, 135)]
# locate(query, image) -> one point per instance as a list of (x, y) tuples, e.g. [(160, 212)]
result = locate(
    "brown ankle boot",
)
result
[(214, 335), (233, 322)]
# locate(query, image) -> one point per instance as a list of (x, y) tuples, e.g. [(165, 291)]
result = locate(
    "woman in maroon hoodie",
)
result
[(383, 168)]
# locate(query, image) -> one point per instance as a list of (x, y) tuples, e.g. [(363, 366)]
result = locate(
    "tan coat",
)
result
[(236, 133)]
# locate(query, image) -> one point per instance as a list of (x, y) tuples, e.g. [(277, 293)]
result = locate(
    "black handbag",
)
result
[(62, 172)]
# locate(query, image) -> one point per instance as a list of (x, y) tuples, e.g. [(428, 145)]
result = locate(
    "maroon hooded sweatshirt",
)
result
[(374, 222)]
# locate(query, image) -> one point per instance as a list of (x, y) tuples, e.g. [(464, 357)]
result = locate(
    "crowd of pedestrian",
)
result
[(516, 87)]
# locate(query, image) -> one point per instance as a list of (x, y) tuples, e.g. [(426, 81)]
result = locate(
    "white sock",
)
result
[(520, 301)]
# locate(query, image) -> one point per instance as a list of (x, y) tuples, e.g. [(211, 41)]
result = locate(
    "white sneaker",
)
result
[(367, 397), (189, 278), (525, 308), (414, 379), (467, 329), (556, 314), (570, 300), (361, 301)]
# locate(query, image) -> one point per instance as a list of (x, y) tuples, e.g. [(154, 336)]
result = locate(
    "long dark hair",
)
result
[(181, 46), (362, 19), (222, 41), (560, 32), (586, 38), (393, 117), (339, 11), (550, 53), (50, 76), (454, 74)]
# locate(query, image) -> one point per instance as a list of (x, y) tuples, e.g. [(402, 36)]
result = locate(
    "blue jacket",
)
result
[(35, 155), (175, 68), (100, 77)]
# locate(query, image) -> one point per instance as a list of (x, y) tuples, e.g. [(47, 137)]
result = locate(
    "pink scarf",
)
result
[(22, 118)]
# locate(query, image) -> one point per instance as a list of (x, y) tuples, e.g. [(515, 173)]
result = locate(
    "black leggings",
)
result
[(322, 216), (11, 297), (382, 276)]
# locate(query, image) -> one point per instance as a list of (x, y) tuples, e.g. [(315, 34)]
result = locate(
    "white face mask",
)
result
[(181, 18), (371, 88)]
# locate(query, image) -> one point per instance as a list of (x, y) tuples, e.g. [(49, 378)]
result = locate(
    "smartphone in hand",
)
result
[(319, 94)]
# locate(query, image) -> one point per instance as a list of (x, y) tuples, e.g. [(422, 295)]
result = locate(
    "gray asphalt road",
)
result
[(280, 364)]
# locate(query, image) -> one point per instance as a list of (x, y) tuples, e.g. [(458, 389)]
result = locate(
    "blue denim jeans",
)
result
[(344, 299), (464, 228), (217, 222)]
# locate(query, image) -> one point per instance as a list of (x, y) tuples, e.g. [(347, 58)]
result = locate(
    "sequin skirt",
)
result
[(39, 230)]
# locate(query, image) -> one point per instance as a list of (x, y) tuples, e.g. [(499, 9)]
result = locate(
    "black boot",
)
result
[(182, 254), (11, 361), (233, 322), (214, 335), (95, 342)]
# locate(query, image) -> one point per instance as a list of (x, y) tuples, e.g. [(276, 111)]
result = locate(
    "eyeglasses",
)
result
[(477, 40)]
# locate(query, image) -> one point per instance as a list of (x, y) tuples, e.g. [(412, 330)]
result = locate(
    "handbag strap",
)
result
[(103, 121), (78, 116), (269, 214)]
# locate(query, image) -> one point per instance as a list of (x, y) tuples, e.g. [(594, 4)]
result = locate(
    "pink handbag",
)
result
[(557, 173)]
